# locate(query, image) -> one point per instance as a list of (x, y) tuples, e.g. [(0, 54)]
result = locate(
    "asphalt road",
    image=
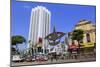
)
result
[(54, 61)]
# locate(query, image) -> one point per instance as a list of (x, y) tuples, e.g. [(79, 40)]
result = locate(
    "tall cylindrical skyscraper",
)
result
[(39, 26)]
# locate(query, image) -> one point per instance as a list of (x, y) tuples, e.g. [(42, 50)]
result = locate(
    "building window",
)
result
[(39, 49), (88, 37)]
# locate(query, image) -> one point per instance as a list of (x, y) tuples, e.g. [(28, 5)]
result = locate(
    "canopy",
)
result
[(73, 46)]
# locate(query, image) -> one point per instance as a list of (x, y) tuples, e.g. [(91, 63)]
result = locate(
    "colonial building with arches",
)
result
[(89, 39)]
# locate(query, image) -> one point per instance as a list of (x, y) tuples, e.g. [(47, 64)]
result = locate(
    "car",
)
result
[(16, 58), (30, 59), (45, 58), (33, 58), (41, 57)]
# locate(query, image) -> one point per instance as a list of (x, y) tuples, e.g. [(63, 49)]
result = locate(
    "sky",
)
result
[(63, 16)]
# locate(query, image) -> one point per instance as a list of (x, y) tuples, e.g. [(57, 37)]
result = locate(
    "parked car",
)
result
[(16, 58), (45, 58), (41, 57), (33, 58), (30, 59)]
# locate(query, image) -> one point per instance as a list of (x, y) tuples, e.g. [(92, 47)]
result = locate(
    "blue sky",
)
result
[(63, 16)]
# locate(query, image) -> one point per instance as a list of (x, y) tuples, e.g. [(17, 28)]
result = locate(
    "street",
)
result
[(54, 61)]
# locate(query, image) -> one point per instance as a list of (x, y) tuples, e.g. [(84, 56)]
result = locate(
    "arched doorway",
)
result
[(88, 37)]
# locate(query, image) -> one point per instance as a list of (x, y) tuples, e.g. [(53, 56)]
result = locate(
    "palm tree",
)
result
[(17, 39), (78, 35)]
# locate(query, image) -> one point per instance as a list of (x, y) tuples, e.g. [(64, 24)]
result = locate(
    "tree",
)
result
[(77, 35), (30, 50), (17, 39), (63, 46)]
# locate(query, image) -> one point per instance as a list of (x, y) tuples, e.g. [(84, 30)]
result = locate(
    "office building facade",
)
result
[(39, 27)]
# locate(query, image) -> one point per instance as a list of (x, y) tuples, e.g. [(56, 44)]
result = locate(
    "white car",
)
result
[(16, 58)]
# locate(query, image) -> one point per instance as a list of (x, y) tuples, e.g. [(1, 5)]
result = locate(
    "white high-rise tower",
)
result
[(39, 25)]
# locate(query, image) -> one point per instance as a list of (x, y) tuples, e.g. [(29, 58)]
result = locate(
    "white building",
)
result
[(39, 25)]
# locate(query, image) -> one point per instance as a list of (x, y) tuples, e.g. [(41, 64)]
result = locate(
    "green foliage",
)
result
[(77, 35), (62, 45), (17, 40)]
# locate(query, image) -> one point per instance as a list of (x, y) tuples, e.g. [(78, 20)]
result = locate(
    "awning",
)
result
[(73, 46)]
